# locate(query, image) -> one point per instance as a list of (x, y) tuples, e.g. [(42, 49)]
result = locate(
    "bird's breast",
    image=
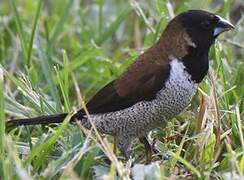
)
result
[(177, 92)]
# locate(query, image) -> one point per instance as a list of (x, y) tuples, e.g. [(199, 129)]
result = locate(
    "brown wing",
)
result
[(143, 79), (108, 100)]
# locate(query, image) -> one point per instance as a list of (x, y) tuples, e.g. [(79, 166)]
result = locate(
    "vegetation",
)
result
[(56, 54)]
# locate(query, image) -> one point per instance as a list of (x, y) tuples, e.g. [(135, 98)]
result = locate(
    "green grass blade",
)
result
[(113, 27), (31, 96), (227, 6), (179, 150), (63, 80), (137, 7), (20, 30), (48, 74), (66, 75), (2, 119), (41, 150), (187, 164), (59, 27), (46, 56), (100, 16), (39, 5)]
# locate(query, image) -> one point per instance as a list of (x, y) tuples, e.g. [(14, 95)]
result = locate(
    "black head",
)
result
[(203, 27)]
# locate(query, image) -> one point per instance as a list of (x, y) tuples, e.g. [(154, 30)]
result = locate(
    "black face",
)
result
[(203, 27)]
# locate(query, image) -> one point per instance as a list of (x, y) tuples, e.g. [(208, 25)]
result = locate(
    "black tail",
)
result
[(48, 119)]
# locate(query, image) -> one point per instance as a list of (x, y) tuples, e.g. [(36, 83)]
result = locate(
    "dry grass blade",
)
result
[(236, 44), (122, 171), (215, 108), (2, 115), (202, 114), (77, 91), (240, 127)]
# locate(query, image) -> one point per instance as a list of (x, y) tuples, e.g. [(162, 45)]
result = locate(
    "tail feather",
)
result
[(48, 119)]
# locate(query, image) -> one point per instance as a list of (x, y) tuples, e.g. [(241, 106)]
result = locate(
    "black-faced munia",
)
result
[(156, 87)]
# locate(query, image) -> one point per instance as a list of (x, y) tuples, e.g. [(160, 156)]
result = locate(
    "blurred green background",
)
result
[(55, 53)]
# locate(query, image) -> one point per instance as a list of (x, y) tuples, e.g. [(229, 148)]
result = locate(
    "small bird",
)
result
[(156, 87)]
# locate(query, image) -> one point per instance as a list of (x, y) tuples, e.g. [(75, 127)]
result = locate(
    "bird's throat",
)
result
[(196, 63)]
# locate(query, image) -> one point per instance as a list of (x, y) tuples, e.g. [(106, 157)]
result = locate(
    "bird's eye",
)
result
[(206, 25)]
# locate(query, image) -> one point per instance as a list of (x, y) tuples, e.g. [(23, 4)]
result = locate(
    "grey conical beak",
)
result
[(222, 25)]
